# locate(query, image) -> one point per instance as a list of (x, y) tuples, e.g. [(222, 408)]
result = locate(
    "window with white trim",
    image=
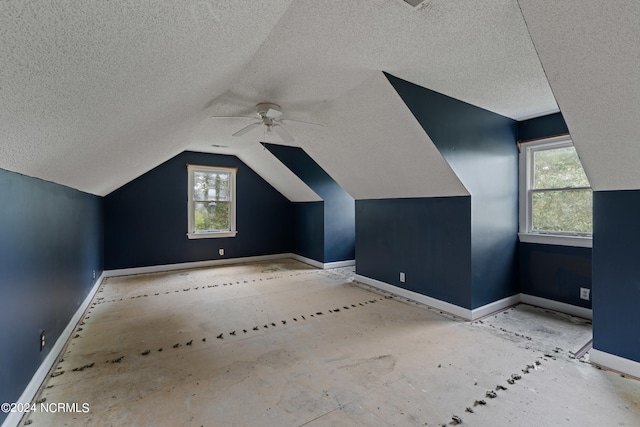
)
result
[(556, 200), (212, 202)]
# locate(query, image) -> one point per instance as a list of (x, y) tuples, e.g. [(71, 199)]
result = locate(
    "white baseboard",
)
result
[(487, 309), (562, 307), (479, 312), (196, 264), (456, 310), (338, 264), (614, 362), (29, 393), (324, 266), (224, 261)]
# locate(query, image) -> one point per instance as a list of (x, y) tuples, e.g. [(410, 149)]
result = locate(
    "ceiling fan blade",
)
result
[(286, 136), (247, 129), (285, 121), (272, 113), (233, 117)]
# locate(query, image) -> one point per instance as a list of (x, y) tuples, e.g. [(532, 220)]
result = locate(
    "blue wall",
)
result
[(555, 272), (480, 148), (339, 208), (551, 271), (50, 244), (146, 219), (542, 127), (308, 239), (429, 239), (616, 275)]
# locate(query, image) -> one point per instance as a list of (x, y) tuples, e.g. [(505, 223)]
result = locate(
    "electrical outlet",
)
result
[(221, 251), (402, 277), (94, 274), (584, 293), (43, 340)]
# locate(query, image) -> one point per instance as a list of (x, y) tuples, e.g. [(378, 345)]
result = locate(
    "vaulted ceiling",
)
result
[(94, 93)]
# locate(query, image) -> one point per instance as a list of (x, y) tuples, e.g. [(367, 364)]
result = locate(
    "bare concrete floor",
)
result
[(283, 344)]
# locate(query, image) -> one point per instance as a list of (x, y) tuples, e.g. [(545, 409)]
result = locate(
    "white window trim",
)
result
[(191, 234), (526, 181)]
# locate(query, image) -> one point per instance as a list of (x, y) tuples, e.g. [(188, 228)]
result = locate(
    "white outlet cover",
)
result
[(584, 293)]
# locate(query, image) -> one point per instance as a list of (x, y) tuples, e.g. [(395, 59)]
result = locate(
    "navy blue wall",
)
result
[(542, 127), (555, 272), (480, 148), (50, 245), (616, 275), (146, 219), (339, 208), (550, 271), (429, 239), (308, 239)]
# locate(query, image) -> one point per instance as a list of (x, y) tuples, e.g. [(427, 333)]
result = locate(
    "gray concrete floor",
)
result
[(283, 344)]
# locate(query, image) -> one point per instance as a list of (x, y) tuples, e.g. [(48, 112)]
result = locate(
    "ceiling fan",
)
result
[(269, 116)]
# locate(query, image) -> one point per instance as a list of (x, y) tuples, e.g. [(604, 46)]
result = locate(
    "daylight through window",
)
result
[(211, 202), (556, 197)]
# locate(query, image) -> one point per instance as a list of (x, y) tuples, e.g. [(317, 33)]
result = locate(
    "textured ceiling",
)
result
[(391, 157), (590, 51), (95, 93)]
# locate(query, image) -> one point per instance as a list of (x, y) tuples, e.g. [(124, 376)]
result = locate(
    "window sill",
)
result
[(212, 234), (554, 239)]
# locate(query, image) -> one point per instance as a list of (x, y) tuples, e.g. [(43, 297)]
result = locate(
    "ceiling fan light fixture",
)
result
[(270, 117), (268, 130)]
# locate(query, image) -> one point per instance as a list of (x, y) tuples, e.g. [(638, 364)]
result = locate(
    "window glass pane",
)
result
[(568, 211), (558, 168), (211, 186), (211, 216)]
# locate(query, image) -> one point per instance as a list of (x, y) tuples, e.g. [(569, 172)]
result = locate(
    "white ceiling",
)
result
[(95, 93), (590, 51), (390, 157)]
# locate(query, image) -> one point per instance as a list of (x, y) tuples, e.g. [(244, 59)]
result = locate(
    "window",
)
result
[(555, 194), (212, 202)]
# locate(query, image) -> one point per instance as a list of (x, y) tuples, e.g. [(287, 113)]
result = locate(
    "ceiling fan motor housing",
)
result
[(269, 110)]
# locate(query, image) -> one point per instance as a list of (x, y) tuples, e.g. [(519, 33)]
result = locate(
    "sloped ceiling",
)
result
[(590, 51), (390, 157), (94, 93)]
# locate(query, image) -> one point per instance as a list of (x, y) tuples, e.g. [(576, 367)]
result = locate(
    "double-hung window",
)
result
[(212, 202), (555, 194)]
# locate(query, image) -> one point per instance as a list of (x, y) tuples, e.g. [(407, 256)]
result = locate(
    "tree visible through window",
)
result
[(561, 195), (558, 196), (211, 201)]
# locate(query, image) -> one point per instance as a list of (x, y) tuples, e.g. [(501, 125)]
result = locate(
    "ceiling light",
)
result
[(268, 130)]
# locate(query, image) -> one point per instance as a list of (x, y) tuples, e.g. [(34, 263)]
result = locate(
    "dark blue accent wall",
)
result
[(552, 271), (50, 245), (146, 219), (339, 207), (308, 240), (616, 273), (480, 147), (555, 272), (428, 239), (542, 127)]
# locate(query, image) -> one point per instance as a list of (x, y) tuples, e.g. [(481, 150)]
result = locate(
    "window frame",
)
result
[(526, 169), (211, 234)]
